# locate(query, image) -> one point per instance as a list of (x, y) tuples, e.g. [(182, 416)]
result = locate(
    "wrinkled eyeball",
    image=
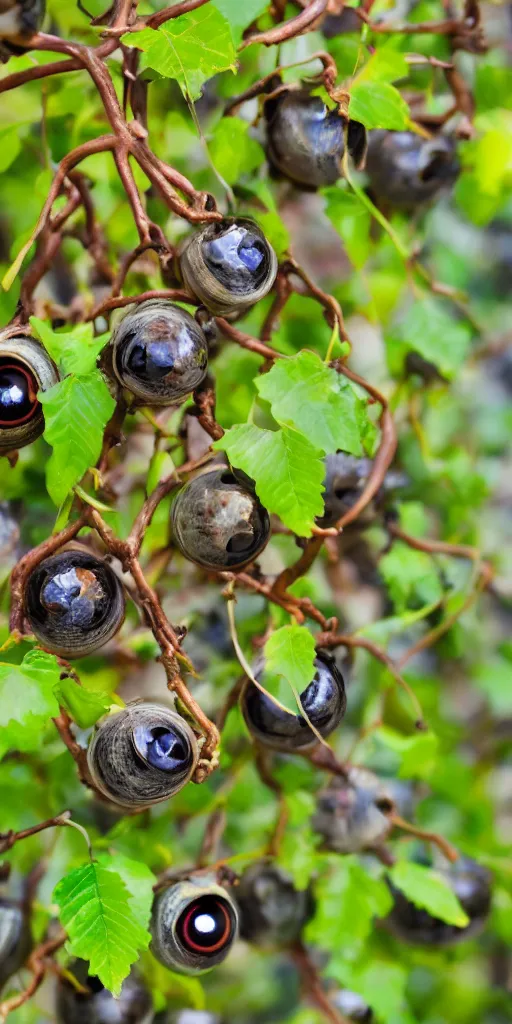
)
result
[(352, 1005), (228, 265), (20, 18), (407, 170), (134, 1004), (324, 702), (25, 369), (159, 352), (345, 479), (272, 911), (142, 755), (470, 882), (74, 603), (306, 140), (352, 814), (15, 938), (217, 523), (193, 925)]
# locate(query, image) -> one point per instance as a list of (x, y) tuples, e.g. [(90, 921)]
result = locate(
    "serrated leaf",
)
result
[(287, 469), (76, 412), (438, 337), (378, 105), (27, 700), (74, 351), (139, 881), (95, 909), (191, 48), (306, 394), (428, 889), (290, 653), (240, 16), (351, 220), (84, 706)]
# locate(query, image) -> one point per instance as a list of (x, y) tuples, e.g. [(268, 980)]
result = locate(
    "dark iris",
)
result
[(74, 596), (237, 258), (206, 926), (240, 542), (161, 747), (18, 393), (150, 361)]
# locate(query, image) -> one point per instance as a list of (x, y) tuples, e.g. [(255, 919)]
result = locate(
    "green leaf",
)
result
[(139, 881), (191, 48), (348, 899), (418, 753), (385, 65), (27, 700), (76, 412), (233, 151), (240, 16), (84, 706), (290, 654), (410, 576), (352, 221), (287, 469), (438, 337), (428, 889), (378, 105), (96, 911), (306, 394), (74, 351)]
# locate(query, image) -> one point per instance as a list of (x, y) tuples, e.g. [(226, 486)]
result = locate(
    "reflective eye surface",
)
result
[(207, 926), (161, 747), (76, 596), (238, 257), (324, 702), (18, 393), (407, 170)]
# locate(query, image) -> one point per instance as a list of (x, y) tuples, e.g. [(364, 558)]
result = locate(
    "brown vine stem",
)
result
[(38, 963), (8, 839), (289, 29), (446, 848), (312, 986)]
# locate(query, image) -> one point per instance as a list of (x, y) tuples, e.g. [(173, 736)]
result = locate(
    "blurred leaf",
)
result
[(240, 16), (352, 221), (411, 576), (385, 65), (378, 105), (28, 700), (348, 899), (233, 151), (430, 330), (428, 889)]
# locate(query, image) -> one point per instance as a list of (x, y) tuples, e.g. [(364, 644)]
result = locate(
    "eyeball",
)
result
[(15, 938), (306, 140), (193, 926), (74, 603), (21, 18), (159, 353), (219, 524), (345, 478), (407, 170), (187, 1017), (272, 911), (133, 1005), (324, 702), (352, 1006), (228, 265), (470, 882), (142, 755), (353, 814), (25, 369)]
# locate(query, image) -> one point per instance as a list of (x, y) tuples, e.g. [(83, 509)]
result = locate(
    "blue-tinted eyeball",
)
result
[(352, 814), (470, 882), (324, 702), (159, 352), (352, 1006), (187, 1017), (134, 1004), (193, 926), (74, 603), (25, 369), (228, 265), (306, 140), (142, 754), (406, 170)]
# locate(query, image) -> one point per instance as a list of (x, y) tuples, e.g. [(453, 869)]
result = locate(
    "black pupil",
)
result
[(150, 361), (161, 747), (18, 390), (239, 543), (75, 596), (206, 925)]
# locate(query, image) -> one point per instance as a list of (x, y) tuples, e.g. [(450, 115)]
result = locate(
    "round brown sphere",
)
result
[(272, 911), (406, 170)]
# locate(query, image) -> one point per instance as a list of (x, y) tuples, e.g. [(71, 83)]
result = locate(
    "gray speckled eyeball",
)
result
[(305, 140), (193, 925), (470, 882), (272, 911), (25, 369), (159, 352), (352, 815), (74, 603), (228, 265), (324, 702), (20, 18), (407, 170), (217, 523), (142, 755), (15, 938), (352, 1005), (133, 1005)]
